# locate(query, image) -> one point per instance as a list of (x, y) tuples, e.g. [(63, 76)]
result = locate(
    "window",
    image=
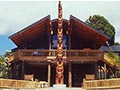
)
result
[(54, 42)]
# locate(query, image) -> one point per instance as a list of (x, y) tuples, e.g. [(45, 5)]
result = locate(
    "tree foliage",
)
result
[(115, 57), (100, 23), (4, 66), (117, 43)]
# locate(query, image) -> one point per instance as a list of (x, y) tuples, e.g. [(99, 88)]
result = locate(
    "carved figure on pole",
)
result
[(59, 57)]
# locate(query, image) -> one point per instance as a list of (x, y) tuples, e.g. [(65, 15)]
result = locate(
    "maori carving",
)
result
[(59, 57)]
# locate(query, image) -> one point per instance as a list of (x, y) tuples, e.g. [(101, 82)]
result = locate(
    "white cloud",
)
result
[(16, 15), (117, 36)]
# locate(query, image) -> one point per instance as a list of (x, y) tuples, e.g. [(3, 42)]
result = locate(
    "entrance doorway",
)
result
[(79, 70), (38, 71)]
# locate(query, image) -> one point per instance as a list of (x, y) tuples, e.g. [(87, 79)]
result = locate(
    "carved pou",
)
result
[(59, 57)]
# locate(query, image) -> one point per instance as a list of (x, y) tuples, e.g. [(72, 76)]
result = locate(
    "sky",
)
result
[(16, 15)]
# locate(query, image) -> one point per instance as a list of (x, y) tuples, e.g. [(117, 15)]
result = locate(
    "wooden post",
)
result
[(49, 41), (50, 33), (69, 42), (14, 71), (22, 70), (99, 72), (70, 76), (49, 74), (96, 71), (105, 70), (84, 84), (69, 36), (15, 76)]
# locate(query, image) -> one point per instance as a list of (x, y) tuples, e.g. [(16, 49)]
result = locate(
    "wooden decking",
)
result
[(85, 55), (101, 84), (45, 55)]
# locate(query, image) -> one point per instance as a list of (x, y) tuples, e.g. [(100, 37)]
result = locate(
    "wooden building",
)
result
[(114, 48), (36, 52)]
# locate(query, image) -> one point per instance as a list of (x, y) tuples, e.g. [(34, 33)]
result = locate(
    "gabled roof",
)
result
[(78, 28), (84, 31), (31, 32)]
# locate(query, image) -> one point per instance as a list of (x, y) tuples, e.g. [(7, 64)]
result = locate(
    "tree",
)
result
[(100, 23), (117, 43), (4, 66)]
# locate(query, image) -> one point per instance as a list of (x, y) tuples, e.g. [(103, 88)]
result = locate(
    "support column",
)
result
[(50, 33), (105, 70), (49, 74), (69, 36), (14, 70), (70, 76), (50, 53), (22, 76), (96, 71), (99, 72), (49, 41), (69, 45)]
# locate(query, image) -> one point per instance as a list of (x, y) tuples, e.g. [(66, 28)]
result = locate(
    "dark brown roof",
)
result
[(78, 28), (87, 33), (31, 32)]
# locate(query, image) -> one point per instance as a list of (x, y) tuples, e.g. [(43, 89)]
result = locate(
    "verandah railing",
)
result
[(69, 55), (30, 53)]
